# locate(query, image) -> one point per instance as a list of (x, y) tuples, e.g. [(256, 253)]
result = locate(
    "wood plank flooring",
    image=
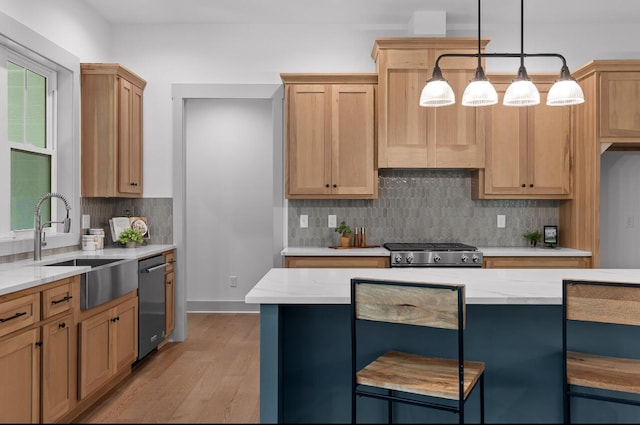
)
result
[(211, 377)]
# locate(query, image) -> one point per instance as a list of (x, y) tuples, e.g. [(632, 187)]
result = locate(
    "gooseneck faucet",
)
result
[(38, 236)]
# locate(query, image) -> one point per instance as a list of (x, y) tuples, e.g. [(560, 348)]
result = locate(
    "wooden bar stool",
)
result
[(403, 375), (604, 302)]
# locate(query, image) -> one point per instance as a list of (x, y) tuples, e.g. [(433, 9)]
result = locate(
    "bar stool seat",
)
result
[(416, 374)]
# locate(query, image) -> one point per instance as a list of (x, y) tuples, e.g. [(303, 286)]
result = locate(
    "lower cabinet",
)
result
[(59, 368), (536, 262), (108, 344), (20, 372), (336, 262)]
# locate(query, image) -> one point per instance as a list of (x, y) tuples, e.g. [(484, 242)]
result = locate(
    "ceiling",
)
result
[(363, 12)]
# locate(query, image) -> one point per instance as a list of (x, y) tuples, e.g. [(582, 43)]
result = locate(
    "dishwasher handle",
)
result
[(152, 269)]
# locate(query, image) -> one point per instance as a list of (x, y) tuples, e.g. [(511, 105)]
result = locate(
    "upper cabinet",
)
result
[(528, 149), (412, 136), (330, 136), (619, 105), (111, 131)]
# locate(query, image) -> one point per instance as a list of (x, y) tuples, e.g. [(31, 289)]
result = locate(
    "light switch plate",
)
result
[(304, 220), (332, 222), (86, 221), (501, 221)]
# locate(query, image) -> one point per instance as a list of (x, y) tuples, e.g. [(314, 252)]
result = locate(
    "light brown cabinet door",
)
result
[(96, 355), (59, 368), (549, 150), (125, 345), (619, 106), (506, 159), (403, 125), (308, 139), (20, 372), (352, 140), (169, 296), (130, 138)]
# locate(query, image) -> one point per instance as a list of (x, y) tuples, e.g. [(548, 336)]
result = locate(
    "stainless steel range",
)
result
[(434, 255)]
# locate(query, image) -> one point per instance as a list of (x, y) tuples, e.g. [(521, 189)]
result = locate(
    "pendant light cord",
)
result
[(479, 55), (522, 33)]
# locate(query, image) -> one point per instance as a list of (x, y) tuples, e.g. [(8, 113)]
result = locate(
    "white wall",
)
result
[(229, 212), (71, 24), (620, 210)]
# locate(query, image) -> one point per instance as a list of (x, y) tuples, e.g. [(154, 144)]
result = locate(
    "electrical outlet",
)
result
[(233, 281), (304, 220), (333, 222), (629, 221), (502, 219), (86, 221)]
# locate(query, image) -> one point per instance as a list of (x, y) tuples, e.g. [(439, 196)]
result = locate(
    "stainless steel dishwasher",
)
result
[(151, 304)]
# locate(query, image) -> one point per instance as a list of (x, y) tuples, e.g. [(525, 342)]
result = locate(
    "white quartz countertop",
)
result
[(25, 274), (311, 251), (383, 252), (483, 286)]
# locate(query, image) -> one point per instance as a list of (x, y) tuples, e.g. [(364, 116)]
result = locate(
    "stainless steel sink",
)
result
[(109, 278)]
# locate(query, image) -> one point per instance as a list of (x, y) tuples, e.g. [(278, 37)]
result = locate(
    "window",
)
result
[(27, 148)]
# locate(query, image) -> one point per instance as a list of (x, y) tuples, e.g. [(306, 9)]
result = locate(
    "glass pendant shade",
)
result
[(565, 91), (437, 93), (521, 93), (479, 93)]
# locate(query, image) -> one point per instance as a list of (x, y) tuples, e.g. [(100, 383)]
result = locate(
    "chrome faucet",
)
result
[(38, 235)]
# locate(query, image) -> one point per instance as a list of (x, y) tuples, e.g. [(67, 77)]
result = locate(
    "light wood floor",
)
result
[(211, 377)]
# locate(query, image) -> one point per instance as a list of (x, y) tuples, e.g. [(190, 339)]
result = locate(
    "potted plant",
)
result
[(532, 237), (130, 237), (345, 232)]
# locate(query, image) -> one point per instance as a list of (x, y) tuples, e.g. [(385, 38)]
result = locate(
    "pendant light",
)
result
[(480, 91), (521, 92)]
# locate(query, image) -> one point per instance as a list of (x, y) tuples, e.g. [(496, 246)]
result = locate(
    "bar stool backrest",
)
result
[(605, 302), (432, 305)]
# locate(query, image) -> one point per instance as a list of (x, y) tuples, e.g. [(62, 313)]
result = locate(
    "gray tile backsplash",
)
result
[(159, 213), (419, 206)]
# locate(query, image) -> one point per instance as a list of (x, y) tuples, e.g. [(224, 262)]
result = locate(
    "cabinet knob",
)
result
[(62, 325), (531, 185), (326, 185), (133, 184), (38, 343), (524, 185), (115, 319), (335, 185)]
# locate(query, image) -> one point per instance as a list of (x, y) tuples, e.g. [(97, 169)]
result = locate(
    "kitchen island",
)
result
[(514, 325)]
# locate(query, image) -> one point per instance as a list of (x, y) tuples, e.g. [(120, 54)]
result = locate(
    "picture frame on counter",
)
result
[(550, 235)]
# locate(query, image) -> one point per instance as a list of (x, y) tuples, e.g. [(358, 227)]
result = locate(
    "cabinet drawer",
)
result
[(19, 313), (56, 300)]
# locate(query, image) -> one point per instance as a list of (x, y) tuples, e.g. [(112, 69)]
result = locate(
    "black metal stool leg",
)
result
[(482, 398), (389, 409)]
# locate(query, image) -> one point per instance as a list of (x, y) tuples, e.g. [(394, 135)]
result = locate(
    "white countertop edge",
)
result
[(25, 274), (483, 286), (309, 251)]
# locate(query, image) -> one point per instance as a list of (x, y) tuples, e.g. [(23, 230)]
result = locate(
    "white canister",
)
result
[(99, 237), (89, 242)]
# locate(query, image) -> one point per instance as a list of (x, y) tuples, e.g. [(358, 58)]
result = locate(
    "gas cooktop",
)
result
[(434, 254)]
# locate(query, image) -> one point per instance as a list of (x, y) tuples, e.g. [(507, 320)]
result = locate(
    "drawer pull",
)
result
[(67, 298), (15, 316)]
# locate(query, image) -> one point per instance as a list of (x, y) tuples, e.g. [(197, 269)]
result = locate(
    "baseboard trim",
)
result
[(221, 307)]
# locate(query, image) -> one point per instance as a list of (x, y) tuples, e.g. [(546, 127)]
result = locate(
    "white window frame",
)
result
[(7, 55)]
